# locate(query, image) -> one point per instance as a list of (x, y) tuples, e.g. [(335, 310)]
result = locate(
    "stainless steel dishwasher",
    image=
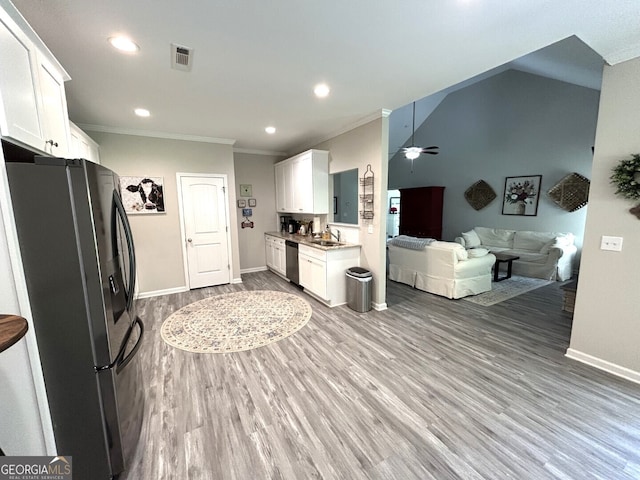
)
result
[(292, 262)]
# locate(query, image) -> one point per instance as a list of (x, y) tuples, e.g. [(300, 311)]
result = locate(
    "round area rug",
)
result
[(234, 322)]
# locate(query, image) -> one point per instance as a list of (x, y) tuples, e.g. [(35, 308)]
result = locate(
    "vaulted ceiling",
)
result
[(255, 63)]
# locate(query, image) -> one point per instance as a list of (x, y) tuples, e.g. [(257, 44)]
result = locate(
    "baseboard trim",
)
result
[(236, 280), (158, 293), (379, 306), (253, 270), (604, 365)]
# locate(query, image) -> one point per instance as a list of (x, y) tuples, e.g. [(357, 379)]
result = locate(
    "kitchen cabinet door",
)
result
[(269, 251), (54, 109), (20, 111), (281, 187), (302, 183), (81, 145), (280, 256), (313, 275)]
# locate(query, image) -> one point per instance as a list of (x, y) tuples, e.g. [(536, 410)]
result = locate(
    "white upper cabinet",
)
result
[(82, 145), (33, 106), (302, 183), (55, 116), (18, 85)]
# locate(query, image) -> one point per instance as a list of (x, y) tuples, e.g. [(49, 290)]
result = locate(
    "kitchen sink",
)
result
[(325, 243)]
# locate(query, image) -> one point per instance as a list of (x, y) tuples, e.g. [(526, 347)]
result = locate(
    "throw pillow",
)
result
[(547, 246), (461, 254), (477, 252), (471, 239)]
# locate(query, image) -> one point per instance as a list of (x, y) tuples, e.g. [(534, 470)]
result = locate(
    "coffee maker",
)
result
[(294, 226), (284, 223)]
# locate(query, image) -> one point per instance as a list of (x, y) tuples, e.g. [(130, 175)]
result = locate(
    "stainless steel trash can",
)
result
[(359, 282)]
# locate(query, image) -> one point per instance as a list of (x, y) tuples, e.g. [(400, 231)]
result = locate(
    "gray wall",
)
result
[(157, 237), (606, 320), (258, 171), (512, 124)]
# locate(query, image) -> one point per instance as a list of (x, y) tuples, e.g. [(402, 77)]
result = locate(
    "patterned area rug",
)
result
[(512, 287), (234, 322)]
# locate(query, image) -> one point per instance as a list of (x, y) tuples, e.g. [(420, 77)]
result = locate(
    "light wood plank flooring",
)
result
[(429, 389)]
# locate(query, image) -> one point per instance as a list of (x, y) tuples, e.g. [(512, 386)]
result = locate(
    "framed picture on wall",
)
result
[(252, 202), (142, 195), (521, 195)]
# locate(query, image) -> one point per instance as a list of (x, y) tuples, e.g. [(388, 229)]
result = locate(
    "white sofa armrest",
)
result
[(557, 251), (475, 266), (460, 240)]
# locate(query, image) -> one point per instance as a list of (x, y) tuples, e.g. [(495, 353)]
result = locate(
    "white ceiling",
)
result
[(256, 62)]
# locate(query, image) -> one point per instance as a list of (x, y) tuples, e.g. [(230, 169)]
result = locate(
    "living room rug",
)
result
[(506, 289), (235, 322)]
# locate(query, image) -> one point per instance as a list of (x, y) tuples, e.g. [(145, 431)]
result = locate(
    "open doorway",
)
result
[(534, 116)]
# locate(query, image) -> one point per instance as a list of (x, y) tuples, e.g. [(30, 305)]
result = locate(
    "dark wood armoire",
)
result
[(421, 212)]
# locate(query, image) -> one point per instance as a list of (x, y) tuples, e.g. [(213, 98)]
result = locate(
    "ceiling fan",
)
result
[(412, 152)]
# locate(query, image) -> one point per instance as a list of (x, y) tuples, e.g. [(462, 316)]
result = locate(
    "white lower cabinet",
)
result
[(313, 272), (276, 254), (323, 272)]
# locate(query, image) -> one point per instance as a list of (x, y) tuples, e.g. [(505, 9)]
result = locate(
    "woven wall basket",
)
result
[(571, 193), (479, 195)]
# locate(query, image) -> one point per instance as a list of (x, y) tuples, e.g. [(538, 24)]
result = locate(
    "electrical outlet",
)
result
[(370, 229), (611, 243)]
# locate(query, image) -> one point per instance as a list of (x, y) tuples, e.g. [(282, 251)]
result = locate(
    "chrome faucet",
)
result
[(336, 235)]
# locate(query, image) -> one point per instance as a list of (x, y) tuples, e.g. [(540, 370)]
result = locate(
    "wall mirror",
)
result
[(344, 197)]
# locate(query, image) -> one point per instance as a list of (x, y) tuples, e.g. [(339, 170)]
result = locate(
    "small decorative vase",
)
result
[(520, 207)]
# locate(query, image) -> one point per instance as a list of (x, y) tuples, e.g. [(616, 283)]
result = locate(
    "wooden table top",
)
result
[(505, 257), (12, 329)]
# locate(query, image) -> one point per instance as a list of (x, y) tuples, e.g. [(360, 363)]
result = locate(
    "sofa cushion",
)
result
[(471, 239), (495, 237), (532, 241)]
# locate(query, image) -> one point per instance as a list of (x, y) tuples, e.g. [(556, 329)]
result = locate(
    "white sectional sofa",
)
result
[(546, 255), (443, 268)]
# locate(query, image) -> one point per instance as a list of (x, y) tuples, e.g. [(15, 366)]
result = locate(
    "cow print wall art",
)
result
[(142, 195)]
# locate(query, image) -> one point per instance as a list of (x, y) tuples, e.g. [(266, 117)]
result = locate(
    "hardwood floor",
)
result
[(429, 389)]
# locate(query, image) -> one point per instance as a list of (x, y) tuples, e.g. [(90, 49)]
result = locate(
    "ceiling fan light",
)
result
[(412, 153)]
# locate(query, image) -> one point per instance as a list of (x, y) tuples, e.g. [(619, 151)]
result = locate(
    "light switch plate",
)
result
[(611, 243), (370, 229)]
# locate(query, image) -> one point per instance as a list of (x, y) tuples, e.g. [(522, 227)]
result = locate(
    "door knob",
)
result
[(189, 240)]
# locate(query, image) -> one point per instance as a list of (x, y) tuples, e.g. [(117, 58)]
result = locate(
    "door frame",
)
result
[(225, 185)]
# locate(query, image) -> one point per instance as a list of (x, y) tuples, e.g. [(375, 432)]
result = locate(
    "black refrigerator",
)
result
[(79, 262)]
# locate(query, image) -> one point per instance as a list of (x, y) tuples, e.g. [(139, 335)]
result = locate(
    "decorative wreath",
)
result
[(626, 177)]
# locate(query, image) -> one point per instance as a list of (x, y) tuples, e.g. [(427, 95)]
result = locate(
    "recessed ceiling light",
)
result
[(124, 44), (321, 90), (270, 130), (142, 112)]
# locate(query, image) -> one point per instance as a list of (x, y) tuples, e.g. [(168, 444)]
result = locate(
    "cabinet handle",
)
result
[(52, 143)]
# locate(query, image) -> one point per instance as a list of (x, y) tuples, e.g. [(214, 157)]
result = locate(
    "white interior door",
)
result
[(205, 228)]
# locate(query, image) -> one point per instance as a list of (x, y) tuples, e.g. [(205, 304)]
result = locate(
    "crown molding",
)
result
[(260, 152), (148, 133)]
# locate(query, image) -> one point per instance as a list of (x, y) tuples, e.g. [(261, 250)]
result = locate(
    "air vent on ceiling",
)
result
[(181, 57)]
